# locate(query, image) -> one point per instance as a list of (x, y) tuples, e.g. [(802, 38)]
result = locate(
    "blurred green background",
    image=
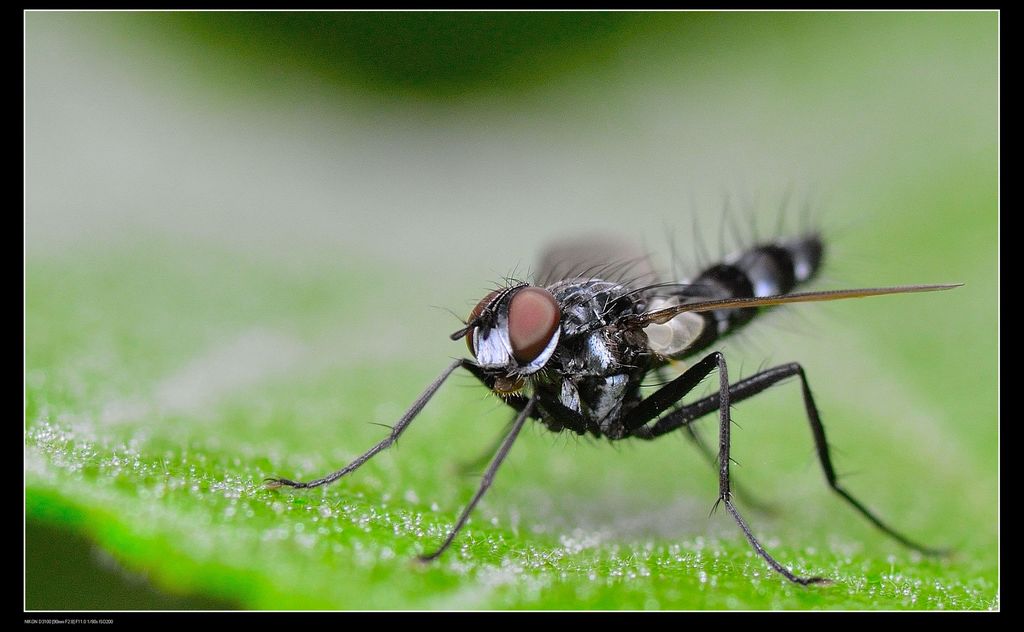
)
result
[(242, 230)]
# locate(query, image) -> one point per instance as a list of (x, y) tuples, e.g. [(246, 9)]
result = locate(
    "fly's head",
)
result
[(512, 333)]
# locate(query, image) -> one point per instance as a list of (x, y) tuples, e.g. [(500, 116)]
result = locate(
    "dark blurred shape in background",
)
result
[(427, 54)]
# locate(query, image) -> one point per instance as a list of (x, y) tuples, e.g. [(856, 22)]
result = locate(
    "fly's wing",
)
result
[(596, 257)]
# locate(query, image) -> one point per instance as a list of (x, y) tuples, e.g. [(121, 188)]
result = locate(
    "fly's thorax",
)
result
[(592, 345), (590, 303)]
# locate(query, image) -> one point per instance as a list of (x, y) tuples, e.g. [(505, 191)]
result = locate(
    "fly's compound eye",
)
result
[(476, 313), (526, 321), (533, 318)]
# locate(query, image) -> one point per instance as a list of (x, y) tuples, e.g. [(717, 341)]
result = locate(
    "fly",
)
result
[(572, 351)]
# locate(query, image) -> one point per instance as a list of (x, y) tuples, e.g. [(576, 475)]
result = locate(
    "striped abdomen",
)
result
[(764, 270)]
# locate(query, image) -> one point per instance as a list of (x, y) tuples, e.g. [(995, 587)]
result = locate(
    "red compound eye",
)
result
[(533, 317), (472, 316)]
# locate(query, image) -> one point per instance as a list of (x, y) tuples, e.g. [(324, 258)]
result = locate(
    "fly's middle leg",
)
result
[(652, 407), (749, 498)]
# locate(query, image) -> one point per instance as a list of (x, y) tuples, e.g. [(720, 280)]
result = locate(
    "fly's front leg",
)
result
[(488, 478), (396, 431), (473, 466), (569, 418)]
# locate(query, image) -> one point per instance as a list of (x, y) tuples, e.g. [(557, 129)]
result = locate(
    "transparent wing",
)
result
[(596, 257)]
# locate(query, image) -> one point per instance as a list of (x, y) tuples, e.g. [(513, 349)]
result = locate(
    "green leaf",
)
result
[(162, 463)]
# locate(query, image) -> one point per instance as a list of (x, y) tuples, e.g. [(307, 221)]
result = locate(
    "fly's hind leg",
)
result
[(686, 415), (752, 386)]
